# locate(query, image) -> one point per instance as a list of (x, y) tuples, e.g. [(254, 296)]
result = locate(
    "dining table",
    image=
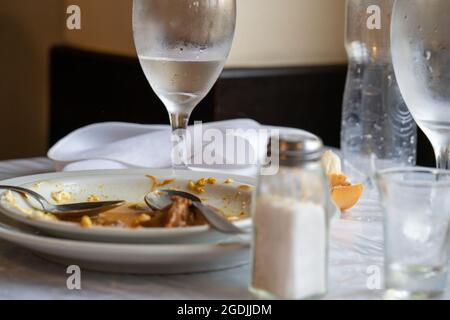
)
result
[(355, 263)]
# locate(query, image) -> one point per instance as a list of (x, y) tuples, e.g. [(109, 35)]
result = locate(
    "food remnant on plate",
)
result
[(93, 198), (344, 194), (191, 185), (41, 215), (211, 180), (9, 200), (180, 213), (200, 184), (157, 184), (86, 222), (245, 187), (37, 185), (228, 181), (144, 217), (8, 196), (200, 190), (236, 197), (61, 196)]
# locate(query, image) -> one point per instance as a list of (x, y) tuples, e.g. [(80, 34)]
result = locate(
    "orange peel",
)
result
[(337, 179), (344, 194), (345, 197)]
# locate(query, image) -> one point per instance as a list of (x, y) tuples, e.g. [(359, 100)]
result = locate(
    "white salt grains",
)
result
[(290, 248)]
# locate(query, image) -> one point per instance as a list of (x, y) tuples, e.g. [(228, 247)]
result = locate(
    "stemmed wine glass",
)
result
[(421, 57), (182, 46)]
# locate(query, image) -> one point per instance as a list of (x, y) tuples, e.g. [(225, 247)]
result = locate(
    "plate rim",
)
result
[(44, 240)]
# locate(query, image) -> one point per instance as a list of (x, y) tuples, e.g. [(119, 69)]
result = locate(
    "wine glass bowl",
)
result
[(421, 57), (182, 46)]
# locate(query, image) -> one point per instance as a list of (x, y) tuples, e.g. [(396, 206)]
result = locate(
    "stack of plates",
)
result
[(142, 250)]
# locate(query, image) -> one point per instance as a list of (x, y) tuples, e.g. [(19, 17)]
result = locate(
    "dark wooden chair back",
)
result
[(88, 87)]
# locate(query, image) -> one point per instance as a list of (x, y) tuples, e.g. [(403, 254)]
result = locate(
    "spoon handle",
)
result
[(217, 221), (42, 201)]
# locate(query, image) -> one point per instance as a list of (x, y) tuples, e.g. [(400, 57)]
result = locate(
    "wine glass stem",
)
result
[(443, 157), (179, 123)]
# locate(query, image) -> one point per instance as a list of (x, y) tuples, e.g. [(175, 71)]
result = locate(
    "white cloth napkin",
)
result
[(118, 145)]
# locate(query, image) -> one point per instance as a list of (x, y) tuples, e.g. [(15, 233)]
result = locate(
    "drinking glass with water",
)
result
[(421, 55), (416, 204)]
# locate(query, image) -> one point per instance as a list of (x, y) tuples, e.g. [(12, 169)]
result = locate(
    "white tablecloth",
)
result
[(355, 261)]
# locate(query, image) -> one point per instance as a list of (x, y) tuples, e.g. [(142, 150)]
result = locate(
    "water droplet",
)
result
[(427, 55)]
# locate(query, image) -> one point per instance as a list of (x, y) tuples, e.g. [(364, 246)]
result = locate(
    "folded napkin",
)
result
[(118, 145)]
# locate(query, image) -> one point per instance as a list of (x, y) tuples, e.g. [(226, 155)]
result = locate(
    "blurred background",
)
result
[(92, 74), (287, 67)]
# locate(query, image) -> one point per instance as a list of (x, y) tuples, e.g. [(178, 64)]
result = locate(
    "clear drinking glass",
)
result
[(416, 204), (182, 47), (421, 57)]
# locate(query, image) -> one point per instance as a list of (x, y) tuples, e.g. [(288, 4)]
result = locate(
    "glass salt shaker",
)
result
[(290, 223)]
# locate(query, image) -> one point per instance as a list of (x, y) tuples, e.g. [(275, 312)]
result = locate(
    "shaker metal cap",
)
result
[(299, 147)]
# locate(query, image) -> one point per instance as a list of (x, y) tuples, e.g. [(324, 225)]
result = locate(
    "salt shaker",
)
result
[(290, 224)]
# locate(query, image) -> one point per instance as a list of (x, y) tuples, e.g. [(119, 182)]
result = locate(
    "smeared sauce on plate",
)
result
[(180, 213)]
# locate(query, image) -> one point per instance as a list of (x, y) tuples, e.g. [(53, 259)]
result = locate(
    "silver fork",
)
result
[(81, 208)]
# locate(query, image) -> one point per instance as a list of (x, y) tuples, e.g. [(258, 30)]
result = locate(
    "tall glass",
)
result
[(182, 47), (421, 56)]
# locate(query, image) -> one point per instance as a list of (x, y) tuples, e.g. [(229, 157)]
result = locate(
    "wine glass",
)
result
[(182, 46), (421, 57)]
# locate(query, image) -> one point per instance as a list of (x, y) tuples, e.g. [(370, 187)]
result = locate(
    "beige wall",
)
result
[(27, 29), (269, 33), (289, 32), (106, 26)]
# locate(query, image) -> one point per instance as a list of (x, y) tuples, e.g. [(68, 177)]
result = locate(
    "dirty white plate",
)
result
[(128, 258), (130, 185)]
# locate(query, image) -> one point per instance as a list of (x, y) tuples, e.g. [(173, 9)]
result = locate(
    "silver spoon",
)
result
[(160, 199), (81, 208)]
